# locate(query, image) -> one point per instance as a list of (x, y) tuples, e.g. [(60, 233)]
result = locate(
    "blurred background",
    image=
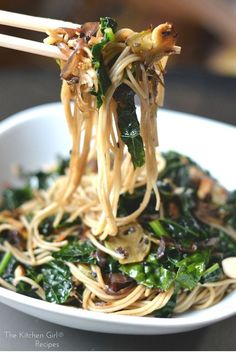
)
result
[(202, 80)]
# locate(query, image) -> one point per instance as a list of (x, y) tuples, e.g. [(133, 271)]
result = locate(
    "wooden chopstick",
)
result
[(26, 45), (32, 23)]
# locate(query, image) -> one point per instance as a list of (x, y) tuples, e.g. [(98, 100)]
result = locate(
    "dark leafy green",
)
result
[(77, 251), (185, 225), (158, 228), (46, 227), (177, 168), (40, 180), (230, 210), (129, 125), (192, 268), (43, 180), (57, 282), (151, 274), (128, 203), (62, 165), (34, 273), (212, 274), (26, 289), (64, 223), (173, 256), (108, 23), (108, 27), (226, 245), (112, 265), (4, 262), (155, 273), (184, 228), (8, 274), (12, 198)]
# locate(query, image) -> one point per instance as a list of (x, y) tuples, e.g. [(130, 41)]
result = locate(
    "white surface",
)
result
[(32, 138), (35, 136)]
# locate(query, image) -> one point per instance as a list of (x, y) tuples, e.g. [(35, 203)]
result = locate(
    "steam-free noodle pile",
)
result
[(72, 242)]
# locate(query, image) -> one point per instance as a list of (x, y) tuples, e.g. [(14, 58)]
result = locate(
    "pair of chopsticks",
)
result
[(32, 23)]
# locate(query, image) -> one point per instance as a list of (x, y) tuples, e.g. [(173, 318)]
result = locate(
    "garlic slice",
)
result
[(229, 267)]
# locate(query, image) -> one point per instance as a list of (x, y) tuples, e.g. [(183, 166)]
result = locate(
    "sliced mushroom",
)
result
[(152, 45), (123, 34), (19, 271), (15, 238), (131, 242), (219, 194), (118, 283), (229, 267), (140, 42), (205, 188)]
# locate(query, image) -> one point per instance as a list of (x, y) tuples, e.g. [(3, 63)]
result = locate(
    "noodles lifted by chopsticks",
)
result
[(105, 69)]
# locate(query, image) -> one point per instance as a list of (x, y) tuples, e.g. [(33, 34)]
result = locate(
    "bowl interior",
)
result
[(31, 139)]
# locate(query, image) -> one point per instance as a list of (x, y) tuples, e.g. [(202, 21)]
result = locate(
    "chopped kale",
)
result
[(26, 289), (150, 273), (191, 269), (106, 23), (46, 227), (158, 228), (43, 180), (229, 210), (4, 262), (226, 245), (77, 251), (12, 198), (162, 274), (129, 125), (108, 27), (8, 270), (177, 168), (57, 282), (212, 274)]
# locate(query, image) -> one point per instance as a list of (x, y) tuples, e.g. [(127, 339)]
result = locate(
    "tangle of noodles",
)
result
[(135, 63)]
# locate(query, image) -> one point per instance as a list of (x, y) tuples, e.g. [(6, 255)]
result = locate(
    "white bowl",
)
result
[(35, 136)]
